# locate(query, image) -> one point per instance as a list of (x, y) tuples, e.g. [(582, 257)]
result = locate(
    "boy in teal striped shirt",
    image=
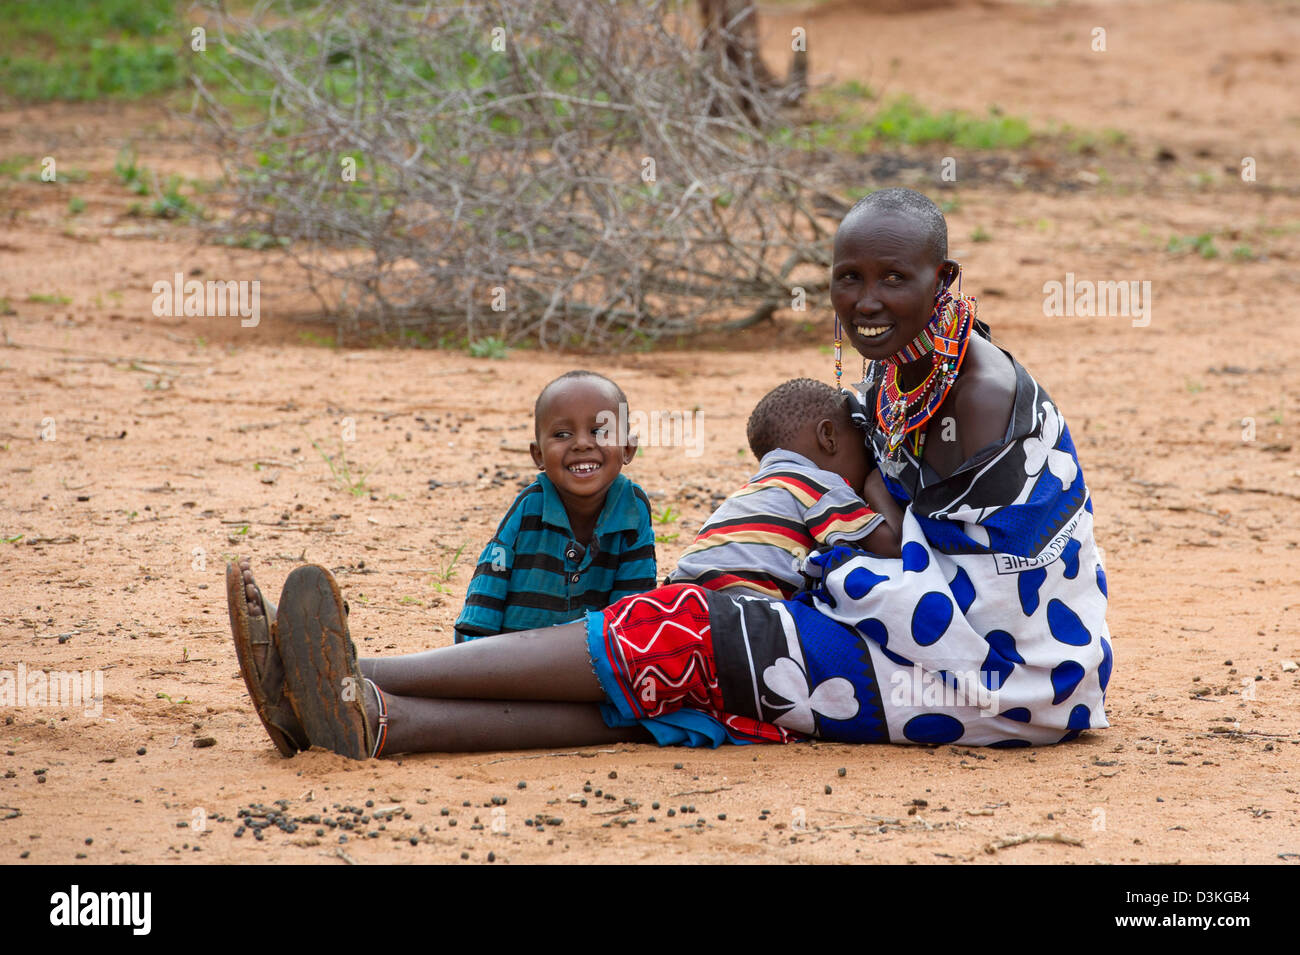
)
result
[(579, 537)]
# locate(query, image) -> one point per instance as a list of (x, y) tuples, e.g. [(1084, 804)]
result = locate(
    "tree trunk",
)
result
[(731, 35)]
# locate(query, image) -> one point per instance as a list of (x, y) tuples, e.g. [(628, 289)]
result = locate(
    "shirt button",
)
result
[(574, 578), (572, 555)]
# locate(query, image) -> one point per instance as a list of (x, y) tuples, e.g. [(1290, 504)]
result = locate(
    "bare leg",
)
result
[(419, 725), (547, 664), (527, 690)]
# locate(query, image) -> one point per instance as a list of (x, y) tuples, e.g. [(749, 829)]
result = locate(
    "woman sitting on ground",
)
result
[(990, 628)]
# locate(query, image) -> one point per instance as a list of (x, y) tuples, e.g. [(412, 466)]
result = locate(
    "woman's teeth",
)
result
[(868, 332)]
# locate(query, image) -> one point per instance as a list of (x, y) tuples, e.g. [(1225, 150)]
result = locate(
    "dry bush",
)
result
[(576, 172)]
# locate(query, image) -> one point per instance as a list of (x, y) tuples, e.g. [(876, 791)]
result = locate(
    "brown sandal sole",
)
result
[(246, 633), (324, 681)]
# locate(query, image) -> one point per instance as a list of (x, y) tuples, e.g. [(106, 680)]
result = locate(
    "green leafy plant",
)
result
[(1202, 245), (490, 347), (443, 576), (344, 472)]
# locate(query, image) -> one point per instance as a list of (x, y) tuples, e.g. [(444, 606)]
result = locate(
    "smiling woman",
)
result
[(989, 629)]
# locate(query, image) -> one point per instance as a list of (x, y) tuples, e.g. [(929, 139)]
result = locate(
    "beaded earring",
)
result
[(839, 354)]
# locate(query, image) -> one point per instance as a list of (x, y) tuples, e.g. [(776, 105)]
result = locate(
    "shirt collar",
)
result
[(785, 456), (616, 514)]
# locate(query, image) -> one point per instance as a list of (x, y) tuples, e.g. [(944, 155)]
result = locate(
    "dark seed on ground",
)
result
[(654, 805), (722, 816), (613, 774), (141, 751), (841, 771), (677, 765), (828, 789), (414, 841), (40, 779), (522, 784), (672, 812), (464, 855)]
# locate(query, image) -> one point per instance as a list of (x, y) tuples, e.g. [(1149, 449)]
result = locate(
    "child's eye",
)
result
[(560, 434), (600, 432)]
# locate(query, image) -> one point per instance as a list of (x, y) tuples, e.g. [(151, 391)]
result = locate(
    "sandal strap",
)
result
[(381, 731)]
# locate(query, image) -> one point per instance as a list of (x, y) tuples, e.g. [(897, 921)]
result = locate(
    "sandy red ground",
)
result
[(177, 444)]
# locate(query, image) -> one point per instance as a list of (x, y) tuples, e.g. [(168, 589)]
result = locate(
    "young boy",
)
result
[(807, 494), (579, 537)]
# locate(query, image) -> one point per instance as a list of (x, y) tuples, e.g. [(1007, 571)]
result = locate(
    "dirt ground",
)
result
[(138, 453)]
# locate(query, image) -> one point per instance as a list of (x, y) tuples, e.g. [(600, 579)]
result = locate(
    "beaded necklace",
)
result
[(902, 412)]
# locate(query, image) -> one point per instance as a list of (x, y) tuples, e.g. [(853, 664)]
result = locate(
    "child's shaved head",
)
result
[(913, 206), (789, 410), (615, 391)]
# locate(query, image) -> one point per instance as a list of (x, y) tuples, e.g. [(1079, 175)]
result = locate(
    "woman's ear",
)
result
[(826, 435), (535, 450)]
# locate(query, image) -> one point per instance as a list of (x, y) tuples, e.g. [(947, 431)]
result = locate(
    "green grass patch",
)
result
[(490, 347), (857, 122), (13, 167), (49, 299), (73, 50), (1202, 245)]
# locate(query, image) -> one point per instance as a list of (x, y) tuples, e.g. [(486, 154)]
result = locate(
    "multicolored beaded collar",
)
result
[(899, 412)]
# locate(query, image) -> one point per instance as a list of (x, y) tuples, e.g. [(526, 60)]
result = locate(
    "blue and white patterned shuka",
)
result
[(991, 628)]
